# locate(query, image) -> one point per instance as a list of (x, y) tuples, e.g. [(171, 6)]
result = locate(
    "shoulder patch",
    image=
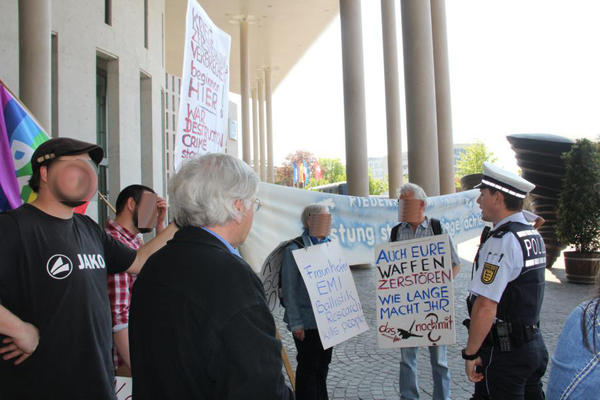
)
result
[(488, 274)]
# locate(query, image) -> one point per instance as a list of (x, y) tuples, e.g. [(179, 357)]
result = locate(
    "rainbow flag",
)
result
[(20, 135)]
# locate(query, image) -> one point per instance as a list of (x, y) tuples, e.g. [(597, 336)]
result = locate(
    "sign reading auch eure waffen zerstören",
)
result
[(415, 296)]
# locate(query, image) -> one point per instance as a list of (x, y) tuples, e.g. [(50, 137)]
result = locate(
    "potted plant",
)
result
[(578, 218)]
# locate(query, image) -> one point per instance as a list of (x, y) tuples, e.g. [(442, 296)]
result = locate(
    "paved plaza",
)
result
[(360, 370)]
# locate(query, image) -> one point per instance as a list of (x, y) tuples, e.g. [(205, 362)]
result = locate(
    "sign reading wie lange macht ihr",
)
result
[(415, 296)]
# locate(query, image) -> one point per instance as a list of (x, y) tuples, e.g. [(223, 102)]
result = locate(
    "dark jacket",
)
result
[(200, 327)]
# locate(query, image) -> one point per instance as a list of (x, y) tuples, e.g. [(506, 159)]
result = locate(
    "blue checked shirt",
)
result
[(425, 229)]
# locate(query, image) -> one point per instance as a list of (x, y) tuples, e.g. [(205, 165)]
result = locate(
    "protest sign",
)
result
[(332, 292), (123, 388), (203, 105), (415, 296)]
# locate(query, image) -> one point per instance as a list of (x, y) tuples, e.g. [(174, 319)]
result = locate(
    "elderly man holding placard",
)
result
[(321, 304), (313, 360), (413, 225)]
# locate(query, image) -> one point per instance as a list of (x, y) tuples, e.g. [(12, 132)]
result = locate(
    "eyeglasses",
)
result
[(257, 205)]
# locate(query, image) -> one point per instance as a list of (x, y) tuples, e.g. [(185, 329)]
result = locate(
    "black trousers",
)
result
[(513, 375), (313, 365)]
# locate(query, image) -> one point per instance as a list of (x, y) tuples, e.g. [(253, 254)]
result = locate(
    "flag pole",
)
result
[(105, 200)]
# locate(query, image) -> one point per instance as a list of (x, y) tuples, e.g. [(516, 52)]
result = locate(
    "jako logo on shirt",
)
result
[(59, 266), (91, 261)]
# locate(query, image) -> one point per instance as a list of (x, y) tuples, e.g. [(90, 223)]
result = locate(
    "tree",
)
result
[(332, 171), (377, 186), (284, 174), (471, 161)]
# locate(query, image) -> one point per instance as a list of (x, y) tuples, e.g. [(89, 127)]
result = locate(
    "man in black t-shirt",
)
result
[(53, 282)]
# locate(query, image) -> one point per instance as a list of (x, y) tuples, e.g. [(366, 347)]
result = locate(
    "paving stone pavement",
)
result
[(360, 370)]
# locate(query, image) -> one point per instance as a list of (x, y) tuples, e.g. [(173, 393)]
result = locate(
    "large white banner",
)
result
[(415, 295), (332, 292), (358, 223), (203, 103)]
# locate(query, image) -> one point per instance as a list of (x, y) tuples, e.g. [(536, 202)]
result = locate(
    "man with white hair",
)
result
[(199, 325), (414, 224)]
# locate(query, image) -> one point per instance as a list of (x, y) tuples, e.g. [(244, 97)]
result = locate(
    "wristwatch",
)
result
[(468, 357)]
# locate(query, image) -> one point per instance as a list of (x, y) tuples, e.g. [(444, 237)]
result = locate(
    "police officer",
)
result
[(505, 355)]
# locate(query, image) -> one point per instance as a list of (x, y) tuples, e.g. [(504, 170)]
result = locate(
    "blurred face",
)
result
[(411, 210), (145, 212), (73, 180), (319, 225)]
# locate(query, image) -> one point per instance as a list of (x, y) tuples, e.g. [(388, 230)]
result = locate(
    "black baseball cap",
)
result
[(63, 146)]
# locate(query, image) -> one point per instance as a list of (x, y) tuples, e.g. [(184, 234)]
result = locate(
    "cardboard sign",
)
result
[(203, 105), (415, 294), (332, 292), (123, 388)]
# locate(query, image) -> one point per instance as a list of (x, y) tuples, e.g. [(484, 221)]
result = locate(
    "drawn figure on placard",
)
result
[(406, 334), (313, 360), (414, 224)]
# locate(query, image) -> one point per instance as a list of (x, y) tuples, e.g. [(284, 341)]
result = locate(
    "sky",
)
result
[(516, 66)]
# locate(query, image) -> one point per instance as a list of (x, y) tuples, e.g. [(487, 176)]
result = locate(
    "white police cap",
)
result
[(496, 178)]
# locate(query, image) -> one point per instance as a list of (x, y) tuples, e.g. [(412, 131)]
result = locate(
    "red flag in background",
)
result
[(318, 172)]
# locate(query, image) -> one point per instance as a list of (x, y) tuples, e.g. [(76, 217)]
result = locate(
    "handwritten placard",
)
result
[(332, 292), (203, 104), (123, 388), (415, 295)]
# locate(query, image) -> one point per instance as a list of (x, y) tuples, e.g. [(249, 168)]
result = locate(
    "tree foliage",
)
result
[(578, 220), (471, 161), (377, 186), (332, 171)]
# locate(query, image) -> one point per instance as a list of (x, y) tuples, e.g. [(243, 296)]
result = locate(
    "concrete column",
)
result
[(261, 123), (256, 153), (423, 166), (392, 96), (442, 96), (354, 99), (35, 80), (245, 90), (269, 115)]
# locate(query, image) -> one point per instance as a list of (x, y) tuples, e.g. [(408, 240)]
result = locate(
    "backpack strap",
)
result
[(298, 241), (436, 226), (394, 233)]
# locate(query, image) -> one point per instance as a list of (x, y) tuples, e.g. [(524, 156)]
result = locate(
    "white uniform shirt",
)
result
[(500, 262)]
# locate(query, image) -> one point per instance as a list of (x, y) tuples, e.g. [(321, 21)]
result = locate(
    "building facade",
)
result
[(107, 82)]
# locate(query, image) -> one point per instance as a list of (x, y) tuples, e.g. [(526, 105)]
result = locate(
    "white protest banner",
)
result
[(203, 103), (123, 388), (415, 295), (358, 223), (332, 292)]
